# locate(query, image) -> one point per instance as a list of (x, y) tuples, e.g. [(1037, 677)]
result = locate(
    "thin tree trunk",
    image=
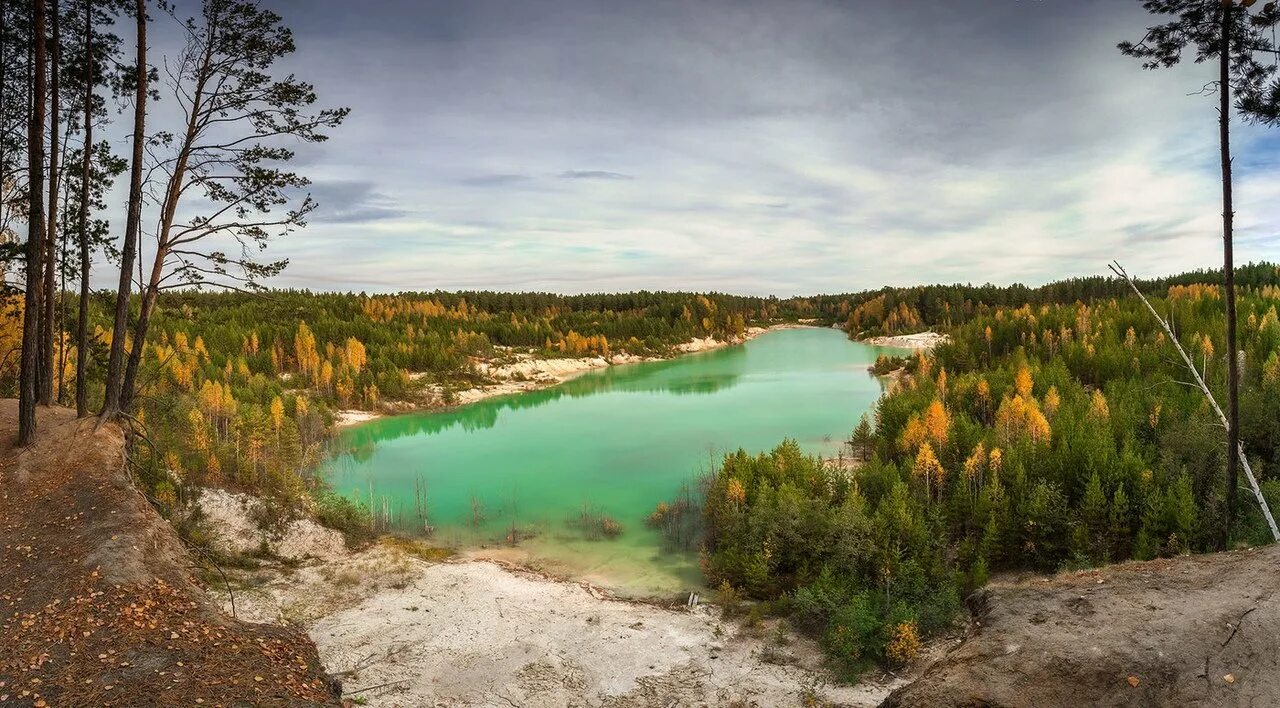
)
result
[(47, 353), (35, 235), (86, 169), (1228, 274), (169, 208), (60, 326), (115, 362), (149, 293), (4, 125), (62, 312)]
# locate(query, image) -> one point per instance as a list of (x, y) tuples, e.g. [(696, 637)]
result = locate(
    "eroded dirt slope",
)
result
[(96, 603), (1193, 631)]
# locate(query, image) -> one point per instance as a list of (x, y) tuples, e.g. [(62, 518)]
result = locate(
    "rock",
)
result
[(1153, 634)]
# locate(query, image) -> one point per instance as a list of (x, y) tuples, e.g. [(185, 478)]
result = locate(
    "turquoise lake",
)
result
[(614, 441)]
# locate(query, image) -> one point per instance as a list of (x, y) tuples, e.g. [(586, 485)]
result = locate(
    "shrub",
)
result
[(351, 518), (904, 643)]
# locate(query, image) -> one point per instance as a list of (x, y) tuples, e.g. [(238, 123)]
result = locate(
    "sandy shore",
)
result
[(480, 633), (529, 373), (345, 418), (920, 340)]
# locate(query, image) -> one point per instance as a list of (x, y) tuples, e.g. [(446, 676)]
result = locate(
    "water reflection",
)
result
[(715, 371)]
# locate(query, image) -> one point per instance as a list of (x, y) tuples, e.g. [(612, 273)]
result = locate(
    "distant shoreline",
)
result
[(922, 341), (534, 374)]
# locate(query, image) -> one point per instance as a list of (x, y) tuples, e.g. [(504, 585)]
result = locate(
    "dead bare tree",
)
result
[(1199, 379)]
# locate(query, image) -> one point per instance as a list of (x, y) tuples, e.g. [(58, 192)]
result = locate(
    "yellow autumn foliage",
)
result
[(904, 643)]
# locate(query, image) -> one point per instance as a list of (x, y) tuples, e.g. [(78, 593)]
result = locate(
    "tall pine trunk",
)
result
[(169, 206), (115, 362), (86, 169), (28, 388), (49, 303), (1228, 274), (61, 327), (150, 292)]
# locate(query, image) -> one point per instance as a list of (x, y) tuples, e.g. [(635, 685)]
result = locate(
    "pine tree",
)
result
[(113, 398), (1090, 532), (863, 439), (1222, 31), (235, 116), (33, 304)]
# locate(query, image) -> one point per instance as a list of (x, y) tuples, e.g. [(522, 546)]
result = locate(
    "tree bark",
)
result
[(149, 293), (86, 168), (28, 388), (115, 362), (47, 353), (1228, 275)]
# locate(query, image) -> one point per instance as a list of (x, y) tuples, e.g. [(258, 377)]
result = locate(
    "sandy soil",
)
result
[(232, 514), (1191, 631), (345, 418), (920, 340), (481, 633)]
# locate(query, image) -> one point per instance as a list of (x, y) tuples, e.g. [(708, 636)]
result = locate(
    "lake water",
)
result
[(614, 441)]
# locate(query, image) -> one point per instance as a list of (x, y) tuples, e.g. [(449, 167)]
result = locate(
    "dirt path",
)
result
[(96, 605), (1193, 631)]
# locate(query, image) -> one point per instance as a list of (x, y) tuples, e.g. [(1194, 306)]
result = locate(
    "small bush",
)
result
[(351, 518), (729, 598), (596, 525), (904, 643), (610, 527)]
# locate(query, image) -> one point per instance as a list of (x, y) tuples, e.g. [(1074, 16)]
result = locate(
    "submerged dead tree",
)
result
[(1238, 453)]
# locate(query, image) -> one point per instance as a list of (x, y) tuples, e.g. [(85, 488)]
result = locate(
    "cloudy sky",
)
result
[(755, 146)]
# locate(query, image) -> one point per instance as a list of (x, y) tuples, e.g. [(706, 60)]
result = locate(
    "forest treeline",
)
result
[(240, 389), (1041, 437)]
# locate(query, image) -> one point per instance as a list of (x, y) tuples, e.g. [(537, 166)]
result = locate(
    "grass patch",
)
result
[(416, 548)]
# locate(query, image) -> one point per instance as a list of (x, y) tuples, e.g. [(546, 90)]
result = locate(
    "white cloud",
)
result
[(756, 147)]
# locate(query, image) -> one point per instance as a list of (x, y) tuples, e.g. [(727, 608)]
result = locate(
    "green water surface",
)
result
[(614, 441)]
